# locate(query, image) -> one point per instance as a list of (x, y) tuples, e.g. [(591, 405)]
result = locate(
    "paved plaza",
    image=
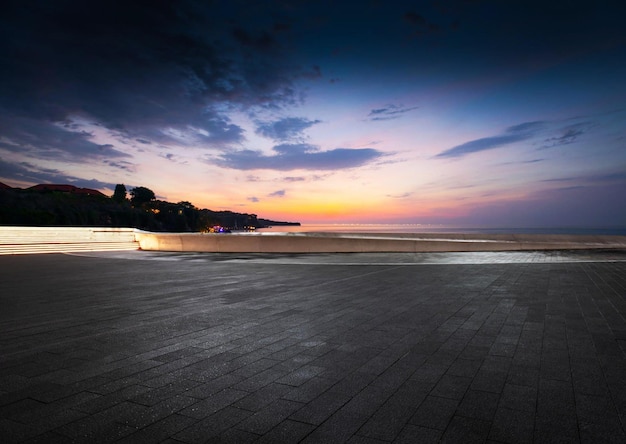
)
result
[(142, 347)]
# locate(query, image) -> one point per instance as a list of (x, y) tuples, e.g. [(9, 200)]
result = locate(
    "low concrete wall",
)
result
[(363, 242)]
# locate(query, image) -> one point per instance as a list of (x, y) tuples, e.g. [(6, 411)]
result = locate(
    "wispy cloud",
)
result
[(513, 134), (289, 128), (304, 156), (389, 112), (400, 196), (122, 165), (567, 135), (279, 193), (608, 177)]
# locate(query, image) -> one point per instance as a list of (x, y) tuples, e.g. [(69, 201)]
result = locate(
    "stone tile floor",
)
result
[(362, 348)]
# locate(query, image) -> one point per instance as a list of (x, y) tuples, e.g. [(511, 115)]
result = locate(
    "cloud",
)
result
[(122, 165), (143, 68), (28, 172), (513, 134), (279, 193), (389, 112), (400, 196), (285, 129), (289, 157), (605, 178), (47, 140), (567, 135), (253, 199)]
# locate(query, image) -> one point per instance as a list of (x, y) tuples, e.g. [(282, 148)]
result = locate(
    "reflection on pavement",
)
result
[(498, 257)]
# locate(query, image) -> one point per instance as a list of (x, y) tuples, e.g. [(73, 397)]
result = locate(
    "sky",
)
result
[(456, 112)]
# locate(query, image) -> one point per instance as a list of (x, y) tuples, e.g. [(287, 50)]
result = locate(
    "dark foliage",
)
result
[(36, 208)]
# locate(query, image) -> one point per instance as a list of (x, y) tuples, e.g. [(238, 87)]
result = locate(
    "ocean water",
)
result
[(419, 228)]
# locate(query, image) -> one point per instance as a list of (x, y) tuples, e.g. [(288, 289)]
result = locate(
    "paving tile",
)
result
[(309, 390), (322, 407), (467, 430), (451, 386), (340, 427), (211, 426), (434, 413), (512, 426), (413, 434), (519, 397), (389, 420), (479, 405), (287, 431), (269, 416), (159, 431), (212, 404), (262, 397), (489, 381)]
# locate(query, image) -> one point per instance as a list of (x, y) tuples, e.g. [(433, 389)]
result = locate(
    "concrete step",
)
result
[(26, 240)]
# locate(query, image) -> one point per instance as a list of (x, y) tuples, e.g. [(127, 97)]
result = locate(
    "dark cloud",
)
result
[(513, 134), (143, 67), (567, 135), (279, 193), (122, 165), (289, 157), (609, 177), (289, 128), (521, 162), (253, 199), (46, 140), (28, 172), (389, 112)]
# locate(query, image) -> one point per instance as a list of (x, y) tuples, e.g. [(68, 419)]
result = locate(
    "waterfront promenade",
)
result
[(136, 346)]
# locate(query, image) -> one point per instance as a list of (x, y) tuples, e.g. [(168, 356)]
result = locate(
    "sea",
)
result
[(422, 228)]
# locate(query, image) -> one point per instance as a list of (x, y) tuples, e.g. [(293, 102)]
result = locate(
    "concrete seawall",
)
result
[(21, 240), (367, 243)]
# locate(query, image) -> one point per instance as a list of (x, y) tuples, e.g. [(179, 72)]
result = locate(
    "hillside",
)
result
[(63, 205)]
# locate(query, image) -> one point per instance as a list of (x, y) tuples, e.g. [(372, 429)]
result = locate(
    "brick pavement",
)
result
[(403, 348)]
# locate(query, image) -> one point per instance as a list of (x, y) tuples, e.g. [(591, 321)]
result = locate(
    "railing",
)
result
[(25, 240)]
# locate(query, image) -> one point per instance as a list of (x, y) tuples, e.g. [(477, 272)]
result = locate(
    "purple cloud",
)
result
[(289, 157), (285, 129), (513, 134)]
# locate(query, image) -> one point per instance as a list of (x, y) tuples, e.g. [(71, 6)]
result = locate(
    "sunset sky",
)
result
[(457, 112)]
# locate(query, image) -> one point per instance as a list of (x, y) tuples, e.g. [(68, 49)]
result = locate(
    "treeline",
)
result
[(142, 210)]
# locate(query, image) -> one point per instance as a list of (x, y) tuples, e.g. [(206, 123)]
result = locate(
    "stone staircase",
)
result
[(26, 240)]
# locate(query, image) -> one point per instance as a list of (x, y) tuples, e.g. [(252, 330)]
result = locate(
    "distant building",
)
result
[(71, 189)]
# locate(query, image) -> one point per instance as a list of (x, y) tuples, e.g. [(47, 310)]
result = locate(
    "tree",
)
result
[(141, 195), (119, 195)]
